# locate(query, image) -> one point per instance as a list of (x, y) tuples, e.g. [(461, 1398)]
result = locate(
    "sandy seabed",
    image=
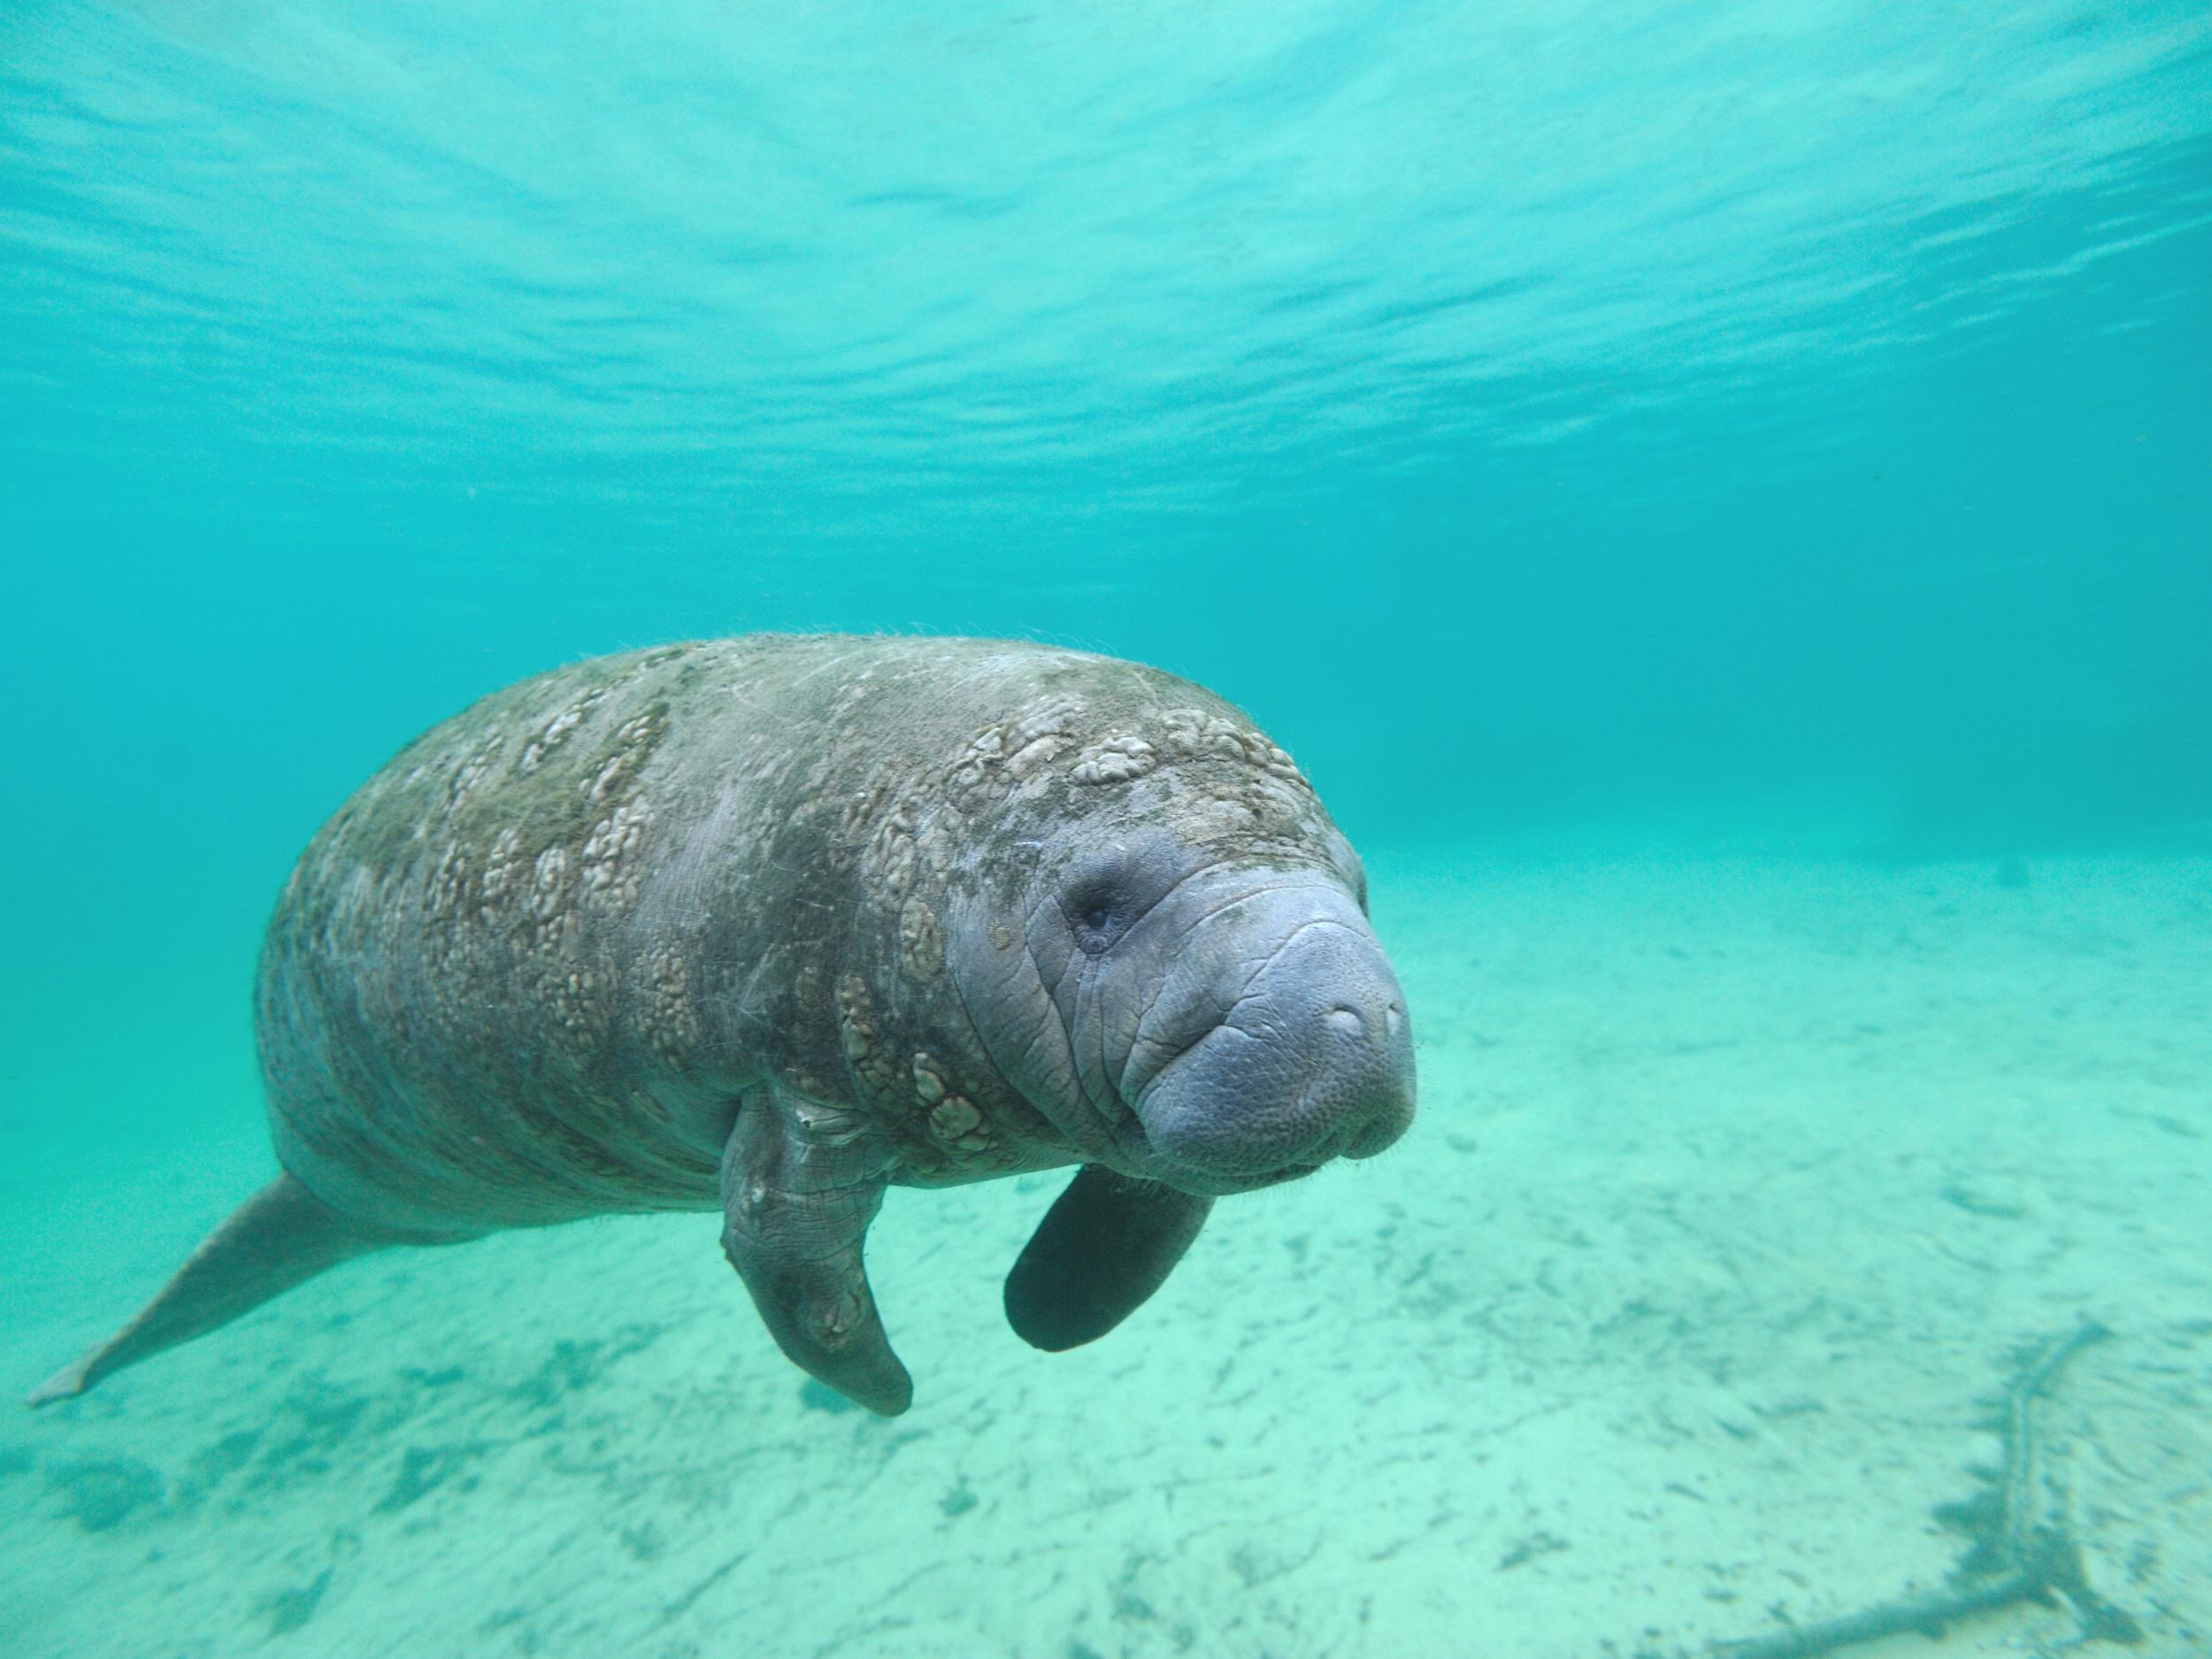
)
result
[(1738, 1186)]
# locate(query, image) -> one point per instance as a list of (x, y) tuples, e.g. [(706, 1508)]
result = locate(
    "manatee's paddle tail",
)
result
[(281, 1236), (1108, 1242)]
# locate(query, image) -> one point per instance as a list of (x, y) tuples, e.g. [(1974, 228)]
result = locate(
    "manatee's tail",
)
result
[(281, 1236)]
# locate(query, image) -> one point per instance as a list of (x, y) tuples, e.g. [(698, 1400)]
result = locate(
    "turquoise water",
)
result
[(1718, 498)]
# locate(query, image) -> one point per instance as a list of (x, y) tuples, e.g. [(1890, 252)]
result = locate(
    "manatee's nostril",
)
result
[(1347, 1021), (1395, 1019)]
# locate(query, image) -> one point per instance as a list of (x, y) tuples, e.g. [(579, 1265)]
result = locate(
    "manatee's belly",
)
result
[(467, 1018)]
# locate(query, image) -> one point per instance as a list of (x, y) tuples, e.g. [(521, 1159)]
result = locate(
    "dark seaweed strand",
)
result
[(1925, 1614), (2035, 1562), (2014, 1538)]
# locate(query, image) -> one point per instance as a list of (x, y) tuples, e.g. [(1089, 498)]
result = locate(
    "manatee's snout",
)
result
[(1312, 1058), (1338, 987)]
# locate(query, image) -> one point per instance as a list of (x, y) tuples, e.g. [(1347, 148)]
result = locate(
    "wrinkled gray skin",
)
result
[(769, 924)]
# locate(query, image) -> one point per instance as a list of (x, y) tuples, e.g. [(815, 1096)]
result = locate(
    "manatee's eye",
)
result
[(1095, 905), (1103, 897)]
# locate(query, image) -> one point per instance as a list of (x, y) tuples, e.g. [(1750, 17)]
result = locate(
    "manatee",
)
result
[(763, 925)]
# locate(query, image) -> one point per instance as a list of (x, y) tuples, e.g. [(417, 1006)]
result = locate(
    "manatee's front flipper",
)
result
[(1107, 1243), (279, 1237), (799, 1188)]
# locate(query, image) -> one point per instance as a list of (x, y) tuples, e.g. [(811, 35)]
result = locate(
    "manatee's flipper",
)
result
[(279, 1237), (797, 1195), (1108, 1242)]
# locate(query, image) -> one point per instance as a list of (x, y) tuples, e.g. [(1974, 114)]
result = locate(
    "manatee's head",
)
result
[(1165, 948)]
